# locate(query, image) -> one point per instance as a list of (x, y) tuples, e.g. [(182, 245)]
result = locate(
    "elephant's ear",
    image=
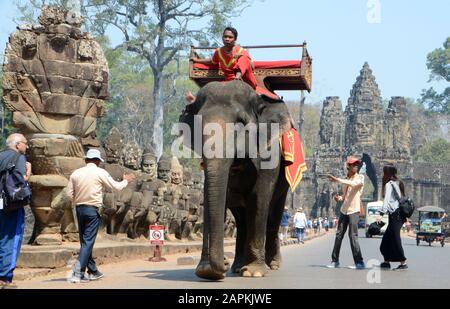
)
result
[(192, 109), (258, 106)]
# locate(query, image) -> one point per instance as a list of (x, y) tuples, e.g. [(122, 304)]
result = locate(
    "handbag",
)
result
[(375, 228), (405, 204)]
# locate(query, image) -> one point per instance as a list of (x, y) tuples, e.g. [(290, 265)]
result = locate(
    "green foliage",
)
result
[(6, 118), (129, 106), (30, 9), (437, 151), (436, 102), (438, 62), (311, 125)]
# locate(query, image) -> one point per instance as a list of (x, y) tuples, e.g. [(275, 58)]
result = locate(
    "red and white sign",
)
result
[(157, 234)]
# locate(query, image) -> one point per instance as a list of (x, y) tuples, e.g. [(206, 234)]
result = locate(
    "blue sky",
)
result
[(340, 39)]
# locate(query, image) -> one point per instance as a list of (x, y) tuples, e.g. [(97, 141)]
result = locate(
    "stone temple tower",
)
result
[(364, 114)]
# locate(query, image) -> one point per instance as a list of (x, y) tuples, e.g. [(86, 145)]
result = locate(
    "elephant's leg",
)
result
[(258, 209), (241, 228), (273, 256), (212, 264)]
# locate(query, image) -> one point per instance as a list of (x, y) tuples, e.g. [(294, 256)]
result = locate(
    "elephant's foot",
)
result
[(274, 265), (204, 270), (274, 261), (273, 257), (237, 265), (253, 270)]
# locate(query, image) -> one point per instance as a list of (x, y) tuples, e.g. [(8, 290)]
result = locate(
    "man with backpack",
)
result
[(11, 219)]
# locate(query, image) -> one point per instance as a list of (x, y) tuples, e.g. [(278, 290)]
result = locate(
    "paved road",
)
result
[(303, 267)]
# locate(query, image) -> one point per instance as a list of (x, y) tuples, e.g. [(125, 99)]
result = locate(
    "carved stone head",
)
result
[(132, 156), (149, 165), (113, 146), (176, 172), (164, 166), (198, 179)]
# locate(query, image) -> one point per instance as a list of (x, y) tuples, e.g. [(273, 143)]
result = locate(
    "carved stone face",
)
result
[(132, 156), (187, 179), (176, 176), (149, 166), (362, 132), (197, 181), (164, 171), (113, 146), (29, 43)]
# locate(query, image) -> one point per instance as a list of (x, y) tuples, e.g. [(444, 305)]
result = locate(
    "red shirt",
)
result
[(228, 64)]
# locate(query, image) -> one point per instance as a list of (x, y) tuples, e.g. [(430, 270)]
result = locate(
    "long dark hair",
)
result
[(390, 173)]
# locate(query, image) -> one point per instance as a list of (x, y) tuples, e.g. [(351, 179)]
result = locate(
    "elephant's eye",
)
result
[(261, 107)]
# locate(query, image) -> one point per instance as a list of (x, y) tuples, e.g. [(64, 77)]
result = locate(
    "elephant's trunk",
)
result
[(216, 181)]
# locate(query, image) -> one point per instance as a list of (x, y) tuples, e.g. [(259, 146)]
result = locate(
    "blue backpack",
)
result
[(15, 191)]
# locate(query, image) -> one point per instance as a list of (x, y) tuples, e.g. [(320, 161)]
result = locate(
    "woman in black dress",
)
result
[(391, 245)]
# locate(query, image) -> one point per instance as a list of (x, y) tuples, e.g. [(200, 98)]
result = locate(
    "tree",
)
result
[(311, 125), (5, 118), (438, 151), (425, 127), (438, 62), (128, 108), (30, 9), (159, 31)]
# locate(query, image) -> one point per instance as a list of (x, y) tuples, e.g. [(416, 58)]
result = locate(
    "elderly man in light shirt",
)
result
[(85, 187), (352, 187)]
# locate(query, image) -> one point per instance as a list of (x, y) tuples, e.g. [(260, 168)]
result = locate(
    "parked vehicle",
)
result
[(373, 215), (430, 225)]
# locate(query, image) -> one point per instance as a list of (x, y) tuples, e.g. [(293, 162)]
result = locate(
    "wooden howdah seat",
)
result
[(271, 75)]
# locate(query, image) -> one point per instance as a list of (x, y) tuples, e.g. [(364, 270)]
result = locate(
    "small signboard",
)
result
[(157, 234)]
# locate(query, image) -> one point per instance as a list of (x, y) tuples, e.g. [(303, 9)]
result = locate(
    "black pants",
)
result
[(88, 224), (350, 221), (391, 245)]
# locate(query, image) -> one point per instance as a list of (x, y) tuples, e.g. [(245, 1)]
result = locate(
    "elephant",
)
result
[(255, 195)]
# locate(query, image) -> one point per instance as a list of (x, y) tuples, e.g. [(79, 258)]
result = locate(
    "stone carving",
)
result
[(113, 146), (163, 193), (55, 79), (130, 198), (397, 132), (332, 124), (364, 113)]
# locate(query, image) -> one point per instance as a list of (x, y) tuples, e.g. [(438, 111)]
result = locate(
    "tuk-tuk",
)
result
[(430, 225), (373, 215)]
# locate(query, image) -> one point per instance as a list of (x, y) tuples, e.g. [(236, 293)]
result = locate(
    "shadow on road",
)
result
[(321, 266), (186, 275)]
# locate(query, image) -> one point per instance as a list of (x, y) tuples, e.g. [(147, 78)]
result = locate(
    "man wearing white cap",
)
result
[(86, 190)]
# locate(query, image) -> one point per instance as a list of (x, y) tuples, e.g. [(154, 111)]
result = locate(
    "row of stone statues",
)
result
[(163, 193)]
